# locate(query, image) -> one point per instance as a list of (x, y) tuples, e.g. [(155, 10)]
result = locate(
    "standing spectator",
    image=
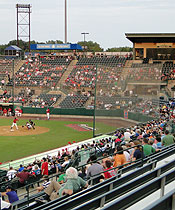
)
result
[(167, 139), (48, 113), (23, 177), (44, 167)]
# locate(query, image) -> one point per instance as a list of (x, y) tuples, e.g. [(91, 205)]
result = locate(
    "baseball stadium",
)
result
[(83, 128)]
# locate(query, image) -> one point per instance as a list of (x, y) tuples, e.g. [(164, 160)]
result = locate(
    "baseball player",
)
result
[(14, 124), (48, 113), (32, 124), (28, 126)]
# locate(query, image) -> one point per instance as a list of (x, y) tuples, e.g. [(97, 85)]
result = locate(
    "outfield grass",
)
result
[(15, 147)]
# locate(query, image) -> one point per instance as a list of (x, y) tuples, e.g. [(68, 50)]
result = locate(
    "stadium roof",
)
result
[(151, 37), (13, 47)]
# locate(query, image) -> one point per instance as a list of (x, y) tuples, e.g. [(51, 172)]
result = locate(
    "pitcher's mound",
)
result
[(5, 131)]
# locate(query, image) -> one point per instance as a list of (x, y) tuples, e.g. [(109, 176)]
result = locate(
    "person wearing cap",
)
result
[(11, 193), (127, 135)]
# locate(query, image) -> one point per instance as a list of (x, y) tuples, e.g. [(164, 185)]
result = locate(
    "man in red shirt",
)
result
[(48, 113), (44, 167), (5, 112), (23, 176), (14, 124)]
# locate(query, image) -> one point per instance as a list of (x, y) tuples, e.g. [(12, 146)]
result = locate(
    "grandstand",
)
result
[(109, 89)]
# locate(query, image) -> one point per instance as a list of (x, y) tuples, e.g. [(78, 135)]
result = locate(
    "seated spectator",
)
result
[(73, 184), (58, 166), (11, 173), (138, 153), (21, 168), (45, 184), (159, 144), (168, 139), (94, 169), (127, 154), (36, 170), (108, 166), (127, 135), (147, 149), (62, 178), (66, 161), (11, 193), (119, 158)]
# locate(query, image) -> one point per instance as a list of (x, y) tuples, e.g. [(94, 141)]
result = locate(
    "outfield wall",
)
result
[(139, 117)]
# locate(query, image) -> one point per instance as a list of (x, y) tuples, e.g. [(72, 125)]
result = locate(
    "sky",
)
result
[(106, 21)]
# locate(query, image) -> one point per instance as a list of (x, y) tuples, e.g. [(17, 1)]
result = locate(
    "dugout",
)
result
[(155, 46), (9, 105)]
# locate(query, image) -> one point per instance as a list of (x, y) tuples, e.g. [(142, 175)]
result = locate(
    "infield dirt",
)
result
[(5, 131)]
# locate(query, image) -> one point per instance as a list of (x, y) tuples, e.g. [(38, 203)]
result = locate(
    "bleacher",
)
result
[(77, 101), (106, 61), (168, 72), (48, 99), (122, 188), (41, 74)]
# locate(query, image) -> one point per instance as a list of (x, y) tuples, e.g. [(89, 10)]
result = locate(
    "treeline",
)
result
[(89, 46)]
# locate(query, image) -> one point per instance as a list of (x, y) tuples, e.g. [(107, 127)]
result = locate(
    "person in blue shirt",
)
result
[(11, 193), (159, 143), (21, 168)]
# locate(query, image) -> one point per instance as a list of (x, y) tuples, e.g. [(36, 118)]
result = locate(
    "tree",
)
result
[(120, 49), (54, 42), (91, 46)]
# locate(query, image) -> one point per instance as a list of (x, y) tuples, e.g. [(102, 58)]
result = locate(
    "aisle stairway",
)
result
[(67, 72)]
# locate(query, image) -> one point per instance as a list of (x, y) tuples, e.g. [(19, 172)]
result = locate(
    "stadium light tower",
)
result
[(23, 22), (84, 35), (65, 21)]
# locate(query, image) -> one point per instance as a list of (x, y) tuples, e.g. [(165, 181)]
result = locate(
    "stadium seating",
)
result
[(165, 202), (106, 185), (43, 74), (44, 100), (138, 194), (119, 185), (111, 61), (77, 101)]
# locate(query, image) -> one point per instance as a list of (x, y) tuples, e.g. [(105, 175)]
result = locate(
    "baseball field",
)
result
[(47, 135)]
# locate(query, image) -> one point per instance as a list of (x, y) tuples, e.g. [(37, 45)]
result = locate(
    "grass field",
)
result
[(15, 147)]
